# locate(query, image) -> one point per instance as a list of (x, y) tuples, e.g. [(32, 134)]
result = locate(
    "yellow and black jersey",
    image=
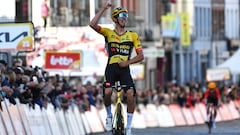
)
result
[(119, 47)]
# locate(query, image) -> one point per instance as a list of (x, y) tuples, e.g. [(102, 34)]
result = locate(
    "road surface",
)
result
[(223, 128)]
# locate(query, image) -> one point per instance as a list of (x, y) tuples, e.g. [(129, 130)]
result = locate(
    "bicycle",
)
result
[(210, 118), (118, 122)]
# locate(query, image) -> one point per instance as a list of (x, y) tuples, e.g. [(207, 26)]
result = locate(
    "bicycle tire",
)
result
[(119, 129), (210, 123)]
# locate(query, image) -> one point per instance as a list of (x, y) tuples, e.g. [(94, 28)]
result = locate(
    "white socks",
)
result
[(109, 111), (129, 120)]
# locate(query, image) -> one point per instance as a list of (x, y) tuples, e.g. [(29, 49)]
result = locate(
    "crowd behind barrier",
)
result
[(32, 94)]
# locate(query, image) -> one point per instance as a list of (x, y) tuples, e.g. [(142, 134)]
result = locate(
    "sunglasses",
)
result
[(123, 15)]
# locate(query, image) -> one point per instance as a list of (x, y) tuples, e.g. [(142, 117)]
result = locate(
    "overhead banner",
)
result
[(16, 36), (218, 74), (62, 60), (185, 34)]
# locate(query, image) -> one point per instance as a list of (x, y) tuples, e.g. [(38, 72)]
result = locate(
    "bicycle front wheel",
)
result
[(119, 129), (210, 123)]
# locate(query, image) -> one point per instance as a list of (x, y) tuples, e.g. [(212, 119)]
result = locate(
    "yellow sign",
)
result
[(185, 34)]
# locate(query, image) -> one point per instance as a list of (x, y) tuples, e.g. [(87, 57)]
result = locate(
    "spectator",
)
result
[(17, 63), (81, 98), (6, 85), (55, 91), (90, 93), (44, 12), (192, 98), (140, 98), (35, 85), (181, 96), (232, 93), (98, 97), (224, 95), (92, 79)]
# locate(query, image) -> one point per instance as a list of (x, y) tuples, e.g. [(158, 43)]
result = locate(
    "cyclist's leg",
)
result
[(109, 80), (207, 113), (130, 100), (215, 104), (214, 116), (130, 106), (208, 109), (107, 101), (215, 112), (130, 91)]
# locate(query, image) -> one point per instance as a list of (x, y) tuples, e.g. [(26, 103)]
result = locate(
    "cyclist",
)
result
[(119, 45), (212, 96)]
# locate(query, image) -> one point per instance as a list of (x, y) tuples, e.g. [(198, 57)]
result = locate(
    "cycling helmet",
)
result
[(117, 11), (212, 85)]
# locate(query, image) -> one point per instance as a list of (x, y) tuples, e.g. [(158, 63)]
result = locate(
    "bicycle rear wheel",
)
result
[(119, 128)]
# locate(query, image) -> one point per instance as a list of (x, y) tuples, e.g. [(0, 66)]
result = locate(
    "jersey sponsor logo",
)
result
[(120, 48), (117, 38)]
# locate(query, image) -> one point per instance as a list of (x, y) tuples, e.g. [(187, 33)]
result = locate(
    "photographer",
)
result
[(36, 84), (21, 90)]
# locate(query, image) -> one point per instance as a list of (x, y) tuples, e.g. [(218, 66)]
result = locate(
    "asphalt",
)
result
[(223, 128)]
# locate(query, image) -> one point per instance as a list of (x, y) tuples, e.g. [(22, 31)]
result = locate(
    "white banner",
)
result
[(16, 36), (217, 74)]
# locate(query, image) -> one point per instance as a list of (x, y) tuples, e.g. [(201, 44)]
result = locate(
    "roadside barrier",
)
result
[(225, 113), (237, 104), (20, 119), (138, 121), (164, 116), (232, 108), (94, 121), (177, 114), (149, 113), (197, 115), (188, 116)]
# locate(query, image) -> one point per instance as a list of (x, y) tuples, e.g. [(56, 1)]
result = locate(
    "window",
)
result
[(78, 12), (69, 12), (218, 24)]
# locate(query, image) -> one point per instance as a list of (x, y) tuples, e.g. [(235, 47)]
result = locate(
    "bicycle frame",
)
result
[(118, 118)]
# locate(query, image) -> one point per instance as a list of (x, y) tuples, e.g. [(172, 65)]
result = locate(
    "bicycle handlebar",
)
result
[(118, 86)]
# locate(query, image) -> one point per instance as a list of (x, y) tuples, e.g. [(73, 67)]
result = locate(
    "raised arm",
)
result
[(94, 21)]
